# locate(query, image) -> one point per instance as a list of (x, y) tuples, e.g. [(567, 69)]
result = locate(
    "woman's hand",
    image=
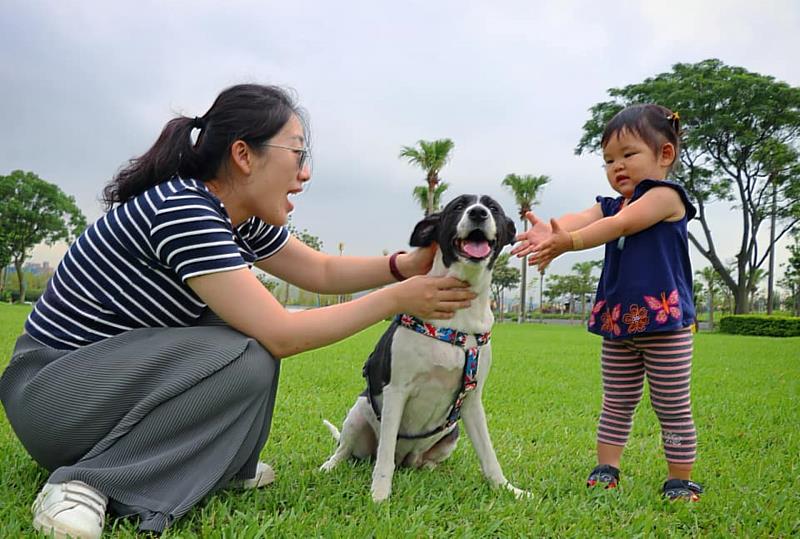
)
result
[(417, 262), (433, 297), (539, 231), (559, 242)]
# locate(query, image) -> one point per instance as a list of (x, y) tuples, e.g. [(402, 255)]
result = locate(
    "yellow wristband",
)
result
[(577, 241)]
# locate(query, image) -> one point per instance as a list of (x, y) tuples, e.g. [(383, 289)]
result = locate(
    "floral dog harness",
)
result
[(469, 379)]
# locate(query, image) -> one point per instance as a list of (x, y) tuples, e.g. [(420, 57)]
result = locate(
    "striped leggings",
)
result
[(666, 359)]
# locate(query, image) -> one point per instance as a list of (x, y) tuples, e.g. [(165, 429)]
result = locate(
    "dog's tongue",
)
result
[(477, 249)]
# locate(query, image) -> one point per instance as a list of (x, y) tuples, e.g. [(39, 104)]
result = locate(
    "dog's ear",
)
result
[(425, 232), (510, 232)]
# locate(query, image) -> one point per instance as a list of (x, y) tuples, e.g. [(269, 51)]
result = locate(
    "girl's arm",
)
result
[(656, 205), (302, 266), (541, 230), (245, 304)]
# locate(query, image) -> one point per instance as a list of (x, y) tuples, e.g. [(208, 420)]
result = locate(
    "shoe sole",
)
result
[(56, 530)]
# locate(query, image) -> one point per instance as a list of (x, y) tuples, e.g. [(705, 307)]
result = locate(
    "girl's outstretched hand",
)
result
[(433, 297), (539, 231), (556, 244)]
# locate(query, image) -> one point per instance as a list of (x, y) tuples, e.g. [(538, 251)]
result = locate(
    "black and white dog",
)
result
[(424, 374)]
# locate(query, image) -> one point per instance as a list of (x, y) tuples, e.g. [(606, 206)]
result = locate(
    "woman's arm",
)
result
[(311, 270), (656, 205), (245, 304)]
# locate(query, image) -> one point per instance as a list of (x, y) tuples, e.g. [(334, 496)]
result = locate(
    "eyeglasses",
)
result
[(303, 152)]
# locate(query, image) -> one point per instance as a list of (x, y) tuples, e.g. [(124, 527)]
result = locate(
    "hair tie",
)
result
[(198, 123), (675, 121)]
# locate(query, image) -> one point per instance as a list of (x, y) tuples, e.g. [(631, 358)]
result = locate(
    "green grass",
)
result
[(542, 401)]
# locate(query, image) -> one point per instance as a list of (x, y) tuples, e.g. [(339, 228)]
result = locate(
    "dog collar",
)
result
[(448, 335), (468, 381)]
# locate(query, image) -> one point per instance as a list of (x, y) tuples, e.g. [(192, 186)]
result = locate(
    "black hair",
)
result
[(252, 113), (654, 124)]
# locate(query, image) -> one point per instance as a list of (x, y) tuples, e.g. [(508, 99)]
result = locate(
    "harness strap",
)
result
[(469, 379)]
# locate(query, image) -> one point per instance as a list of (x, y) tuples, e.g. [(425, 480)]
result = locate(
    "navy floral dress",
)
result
[(646, 284)]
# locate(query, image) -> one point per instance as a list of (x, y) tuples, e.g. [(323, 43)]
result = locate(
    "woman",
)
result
[(123, 384)]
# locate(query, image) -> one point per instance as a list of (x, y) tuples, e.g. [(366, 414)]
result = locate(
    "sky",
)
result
[(88, 85)]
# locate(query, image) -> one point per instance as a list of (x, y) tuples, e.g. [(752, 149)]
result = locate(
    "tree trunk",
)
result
[(432, 181), (771, 281), (3, 275), (710, 309), (21, 278), (541, 291), (741, 297), (522, 289)]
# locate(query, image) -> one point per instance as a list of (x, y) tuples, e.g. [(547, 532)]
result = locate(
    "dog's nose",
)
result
[(478, 214)]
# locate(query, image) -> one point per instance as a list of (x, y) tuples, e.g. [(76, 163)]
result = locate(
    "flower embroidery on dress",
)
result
[(598, 306), (636, 318), (665, 307), (610, 319)]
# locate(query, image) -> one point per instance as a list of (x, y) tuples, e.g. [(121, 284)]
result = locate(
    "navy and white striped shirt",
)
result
[(128, 270)]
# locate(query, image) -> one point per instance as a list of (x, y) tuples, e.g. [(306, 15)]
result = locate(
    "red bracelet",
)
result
[(393, 266)]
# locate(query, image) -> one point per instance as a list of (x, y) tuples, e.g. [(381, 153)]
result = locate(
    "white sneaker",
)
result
[(264, 476), (72, 509)]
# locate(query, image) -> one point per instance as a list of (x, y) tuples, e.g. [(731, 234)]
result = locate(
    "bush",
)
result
[(759, 324), (30, 295)]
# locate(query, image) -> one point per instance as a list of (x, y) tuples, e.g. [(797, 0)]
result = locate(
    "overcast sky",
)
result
[(87, 85)]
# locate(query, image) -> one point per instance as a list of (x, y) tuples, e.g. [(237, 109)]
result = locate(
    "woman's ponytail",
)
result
[(249, 112)]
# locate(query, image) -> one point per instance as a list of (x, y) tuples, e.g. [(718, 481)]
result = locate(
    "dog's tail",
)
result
[(331, 427)]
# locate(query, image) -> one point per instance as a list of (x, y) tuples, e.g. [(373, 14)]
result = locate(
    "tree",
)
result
[(420, 194), (791, 276), (711, 283), (562, 288), (268, 283), (524, 188), (503, 276), (33, 211), (585, 282), (309, 239), (430, 156), (740, 140), (5, 255)]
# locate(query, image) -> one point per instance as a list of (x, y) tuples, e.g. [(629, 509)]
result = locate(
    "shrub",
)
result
[(30, 295), (759, 324)]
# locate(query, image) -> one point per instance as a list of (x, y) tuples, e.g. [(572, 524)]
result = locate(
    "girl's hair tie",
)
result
[(675, 120), (198, 123)]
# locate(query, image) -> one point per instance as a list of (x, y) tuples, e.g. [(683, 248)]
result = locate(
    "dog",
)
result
[(418, 386)]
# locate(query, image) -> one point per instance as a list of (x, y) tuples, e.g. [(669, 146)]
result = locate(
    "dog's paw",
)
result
[(381, 491), (518, 493), (329, 465)]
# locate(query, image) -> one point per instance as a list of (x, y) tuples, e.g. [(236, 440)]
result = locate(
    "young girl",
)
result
[(643, 307)]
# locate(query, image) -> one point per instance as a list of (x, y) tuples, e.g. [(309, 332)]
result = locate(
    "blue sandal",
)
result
[(682, 489), (604, 473)]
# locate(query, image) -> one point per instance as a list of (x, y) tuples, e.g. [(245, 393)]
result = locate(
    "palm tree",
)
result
[(420, 194), (525, 188), (712, 283), (430, 156)]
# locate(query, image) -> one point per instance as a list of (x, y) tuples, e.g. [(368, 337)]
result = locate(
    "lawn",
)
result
[(542, 401)]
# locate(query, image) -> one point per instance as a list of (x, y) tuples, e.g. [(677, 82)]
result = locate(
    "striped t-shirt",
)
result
[(128, 270)]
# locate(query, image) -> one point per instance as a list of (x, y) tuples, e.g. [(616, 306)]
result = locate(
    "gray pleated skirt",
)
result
[(156, 419)]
